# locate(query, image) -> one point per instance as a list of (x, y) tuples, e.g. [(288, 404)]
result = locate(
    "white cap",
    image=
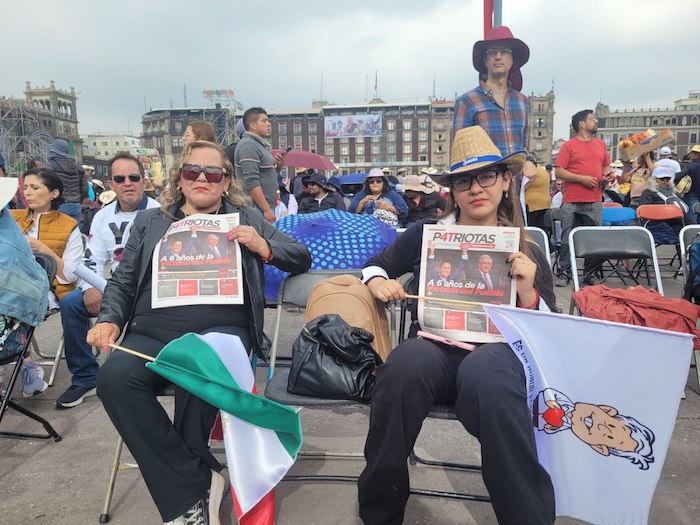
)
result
[(665, 151), (663, 172)]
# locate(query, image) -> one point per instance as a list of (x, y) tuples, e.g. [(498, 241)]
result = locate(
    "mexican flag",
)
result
[(262, 437)]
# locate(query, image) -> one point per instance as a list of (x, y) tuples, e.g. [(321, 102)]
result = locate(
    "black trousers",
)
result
[(487, 389), (173, 457)]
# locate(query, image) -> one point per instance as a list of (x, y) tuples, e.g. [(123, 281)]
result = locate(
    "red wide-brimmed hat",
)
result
[(501, 35)]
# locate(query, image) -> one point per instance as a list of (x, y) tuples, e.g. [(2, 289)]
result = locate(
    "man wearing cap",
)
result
[(109, 232), (298, 188), (582, 164), (496, 104), (422, 200), (319, 198), (692, 168), (254, 164), (666, 160)]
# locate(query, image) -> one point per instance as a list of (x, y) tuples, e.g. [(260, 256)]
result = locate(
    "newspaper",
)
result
[(468, 264), (195, 263)]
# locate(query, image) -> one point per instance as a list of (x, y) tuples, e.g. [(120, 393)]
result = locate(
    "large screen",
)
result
[(352, 126)]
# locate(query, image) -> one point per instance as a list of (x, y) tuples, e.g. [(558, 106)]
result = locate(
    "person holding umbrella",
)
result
[(486, 386), (174, 457)]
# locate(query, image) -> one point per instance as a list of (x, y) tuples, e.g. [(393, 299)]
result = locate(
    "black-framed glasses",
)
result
[(374, 181), (133, 177), (485, 179), (212, 173), (492, 52)]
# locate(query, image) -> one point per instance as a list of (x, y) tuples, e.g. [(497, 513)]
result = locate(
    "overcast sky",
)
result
[(124, 55)]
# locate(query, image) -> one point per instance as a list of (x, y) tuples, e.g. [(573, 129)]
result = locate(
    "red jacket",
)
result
[(639, 306)]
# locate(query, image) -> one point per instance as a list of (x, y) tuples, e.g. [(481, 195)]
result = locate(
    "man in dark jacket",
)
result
[(693, 169), (75, 187), (319, 198), (422, 200)]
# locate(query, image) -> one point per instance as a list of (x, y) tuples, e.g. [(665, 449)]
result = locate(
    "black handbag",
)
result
[(333, 360)]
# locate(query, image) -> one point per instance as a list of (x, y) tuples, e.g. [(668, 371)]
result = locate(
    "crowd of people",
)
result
[(492, 181)]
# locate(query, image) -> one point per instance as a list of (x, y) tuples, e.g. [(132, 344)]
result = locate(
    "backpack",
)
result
[(348, 297), (691, 289)]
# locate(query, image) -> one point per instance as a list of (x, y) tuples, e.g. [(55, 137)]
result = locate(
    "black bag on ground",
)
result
[(333, 360)]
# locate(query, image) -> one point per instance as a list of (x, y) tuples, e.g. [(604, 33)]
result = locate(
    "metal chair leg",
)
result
[(56, 361), (104, 517)]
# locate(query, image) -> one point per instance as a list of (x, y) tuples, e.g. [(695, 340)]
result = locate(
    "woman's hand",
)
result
[(386, 289), (523, 270), (38, 247), (250, 238), (102, 335)]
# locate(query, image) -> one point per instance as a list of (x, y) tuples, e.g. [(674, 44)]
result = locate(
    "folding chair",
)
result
[(540, 237), (555, 236), (611, 204), (296, 292), (650, 215), (613, 247), (50, 267), (688, 235)]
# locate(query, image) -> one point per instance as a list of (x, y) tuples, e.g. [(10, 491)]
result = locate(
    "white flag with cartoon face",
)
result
[(604, 398)]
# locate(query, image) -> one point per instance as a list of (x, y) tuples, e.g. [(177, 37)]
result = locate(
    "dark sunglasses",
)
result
[(133, 177), (374, 181), (485, 179), (212, 173)]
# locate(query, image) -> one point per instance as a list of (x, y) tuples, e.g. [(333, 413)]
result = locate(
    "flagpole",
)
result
[(438, 300), (132, 352)]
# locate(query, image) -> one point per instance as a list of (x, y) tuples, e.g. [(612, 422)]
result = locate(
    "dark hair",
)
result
[(251, 115), (579, 117), (508, 209), (124, 156), (33, 163), (203, 130), (49, 179), (385, 184)]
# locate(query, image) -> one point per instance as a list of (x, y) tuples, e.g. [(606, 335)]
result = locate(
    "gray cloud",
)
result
[(627, 53)]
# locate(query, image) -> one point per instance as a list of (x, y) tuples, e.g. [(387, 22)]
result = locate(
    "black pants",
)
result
[(173, 457), (487, 388)]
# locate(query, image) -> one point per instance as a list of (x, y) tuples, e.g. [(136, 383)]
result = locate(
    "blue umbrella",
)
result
[(337, 240)]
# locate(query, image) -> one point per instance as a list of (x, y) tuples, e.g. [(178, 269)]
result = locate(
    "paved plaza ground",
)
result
[(43, 482)]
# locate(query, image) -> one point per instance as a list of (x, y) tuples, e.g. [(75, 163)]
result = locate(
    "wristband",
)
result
[(534, 303)]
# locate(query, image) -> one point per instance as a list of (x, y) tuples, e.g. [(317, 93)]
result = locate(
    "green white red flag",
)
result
[(262, 437)]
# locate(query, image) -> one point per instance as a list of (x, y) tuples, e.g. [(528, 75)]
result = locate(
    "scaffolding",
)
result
[(21, 136), (223, 123)]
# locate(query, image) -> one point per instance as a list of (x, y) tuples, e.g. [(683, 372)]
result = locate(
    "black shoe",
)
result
[(562, 280), (197, 515), (75, 395), (591, 280)]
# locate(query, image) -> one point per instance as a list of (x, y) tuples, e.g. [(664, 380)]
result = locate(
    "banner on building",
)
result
[(337, 127)]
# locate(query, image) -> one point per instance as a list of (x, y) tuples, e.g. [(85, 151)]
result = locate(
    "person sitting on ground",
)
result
[(199, 130), (51, 233), (109, 232), (422, 200), (660, 190), (379, 199), (487, 386), (319, 198), (174, 458)]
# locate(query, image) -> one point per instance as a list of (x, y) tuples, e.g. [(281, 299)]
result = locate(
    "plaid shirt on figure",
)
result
[(507, 128)]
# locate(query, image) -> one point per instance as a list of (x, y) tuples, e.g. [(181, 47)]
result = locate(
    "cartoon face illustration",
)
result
[(601, 427), (596, 425)]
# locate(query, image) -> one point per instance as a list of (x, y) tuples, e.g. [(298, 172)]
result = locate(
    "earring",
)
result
[(179, 188), (505, 194), (225, 194)]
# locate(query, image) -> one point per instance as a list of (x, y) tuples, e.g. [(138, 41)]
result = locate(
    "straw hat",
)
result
[(414, 183), (8, 189), (107, 196), (472, 150)]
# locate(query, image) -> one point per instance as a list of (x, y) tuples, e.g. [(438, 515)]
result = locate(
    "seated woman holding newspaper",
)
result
[(174, 458), (486, 386)]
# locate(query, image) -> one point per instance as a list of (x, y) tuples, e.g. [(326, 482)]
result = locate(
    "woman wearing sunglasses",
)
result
[(378, 198), (174, 458), (486, 386), (51, 233)]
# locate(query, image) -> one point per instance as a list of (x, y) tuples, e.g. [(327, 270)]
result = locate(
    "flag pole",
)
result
[(132, 352), (438, 300)]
